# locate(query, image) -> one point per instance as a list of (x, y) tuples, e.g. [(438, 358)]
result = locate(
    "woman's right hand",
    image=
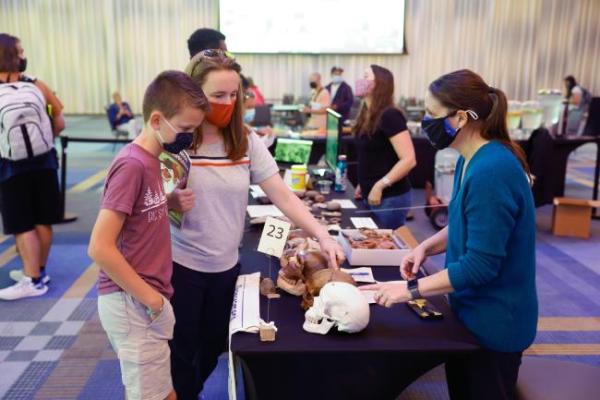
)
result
[(412, 262), (181, 200), (358, 193)]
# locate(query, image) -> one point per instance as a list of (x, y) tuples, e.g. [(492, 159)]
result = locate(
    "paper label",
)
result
[(360, 222), (274, 236)]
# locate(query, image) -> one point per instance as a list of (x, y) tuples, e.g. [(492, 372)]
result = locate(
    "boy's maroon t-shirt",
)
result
[(134, 187)]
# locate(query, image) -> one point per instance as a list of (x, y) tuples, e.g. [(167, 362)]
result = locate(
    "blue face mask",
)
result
[(337, 79), (249, 115), (183, 141)]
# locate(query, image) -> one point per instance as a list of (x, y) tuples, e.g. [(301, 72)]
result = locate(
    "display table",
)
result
[(548, 162), (396, 348)]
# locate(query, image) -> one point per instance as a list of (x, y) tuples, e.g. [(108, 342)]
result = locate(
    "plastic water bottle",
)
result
[(340, 174)]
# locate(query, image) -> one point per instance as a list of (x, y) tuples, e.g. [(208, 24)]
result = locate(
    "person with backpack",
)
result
[(30, 119)]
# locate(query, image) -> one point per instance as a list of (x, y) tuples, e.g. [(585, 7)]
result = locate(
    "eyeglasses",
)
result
[(215, 53)]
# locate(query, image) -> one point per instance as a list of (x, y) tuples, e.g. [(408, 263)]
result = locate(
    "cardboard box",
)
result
[(572, 217), (375, 257)]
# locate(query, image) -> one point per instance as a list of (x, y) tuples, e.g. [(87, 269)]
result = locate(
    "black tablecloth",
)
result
[(547, 157), (378, 363)]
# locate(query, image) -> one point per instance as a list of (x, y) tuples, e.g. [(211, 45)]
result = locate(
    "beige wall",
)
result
[(87, 48)]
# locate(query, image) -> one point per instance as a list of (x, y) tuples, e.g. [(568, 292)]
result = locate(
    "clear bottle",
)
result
[(340, 174)]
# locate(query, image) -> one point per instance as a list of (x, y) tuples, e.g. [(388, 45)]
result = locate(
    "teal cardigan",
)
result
[(491, 250)]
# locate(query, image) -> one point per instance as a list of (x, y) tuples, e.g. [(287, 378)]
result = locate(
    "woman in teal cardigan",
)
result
[(489, 241)]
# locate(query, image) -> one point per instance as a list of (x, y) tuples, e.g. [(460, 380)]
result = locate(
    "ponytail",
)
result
[(495, 127), (465, 90)]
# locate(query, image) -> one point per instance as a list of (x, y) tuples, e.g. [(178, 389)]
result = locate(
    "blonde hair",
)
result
[(235, 135)]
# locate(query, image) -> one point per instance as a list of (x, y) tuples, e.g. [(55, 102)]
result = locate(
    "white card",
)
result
[(360, 222), (274, 236), (263, 211), (245, 311), (363, 274), (345, 203), (256, 191)]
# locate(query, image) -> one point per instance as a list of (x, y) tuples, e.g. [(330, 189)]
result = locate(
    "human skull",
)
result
[(339, 304)]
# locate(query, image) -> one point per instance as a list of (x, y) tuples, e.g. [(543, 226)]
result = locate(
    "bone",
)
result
[(267, 288), (297, 233), (371, 239), (319, 279), (293, 287), (333, 206), (311, 194)]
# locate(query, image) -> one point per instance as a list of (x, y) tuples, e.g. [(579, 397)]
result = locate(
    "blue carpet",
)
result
[(568, 283)]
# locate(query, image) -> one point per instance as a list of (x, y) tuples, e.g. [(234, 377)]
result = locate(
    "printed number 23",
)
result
[(273, 234)]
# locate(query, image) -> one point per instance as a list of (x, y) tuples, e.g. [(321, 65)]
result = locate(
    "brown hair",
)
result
[(170, 92), (9, 55), (465, 90), (382, 98), (235, 135)]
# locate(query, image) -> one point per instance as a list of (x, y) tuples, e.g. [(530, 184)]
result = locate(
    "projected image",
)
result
[(313, 26)]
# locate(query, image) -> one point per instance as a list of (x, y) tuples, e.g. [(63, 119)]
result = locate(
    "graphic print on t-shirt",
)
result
[(154, 202)]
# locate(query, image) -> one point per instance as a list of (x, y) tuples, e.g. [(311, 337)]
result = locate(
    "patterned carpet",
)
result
[(53, 347)]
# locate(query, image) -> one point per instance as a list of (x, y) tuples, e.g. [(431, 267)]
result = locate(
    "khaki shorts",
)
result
[(141, 344)]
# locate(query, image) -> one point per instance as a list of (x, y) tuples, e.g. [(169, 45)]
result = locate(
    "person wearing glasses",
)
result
[(226, 158)]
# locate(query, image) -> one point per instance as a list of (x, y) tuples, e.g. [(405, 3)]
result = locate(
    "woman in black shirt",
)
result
[(385, 150)]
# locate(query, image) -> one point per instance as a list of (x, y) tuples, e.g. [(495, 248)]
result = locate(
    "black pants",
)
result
[(202, 304), (489, 375)]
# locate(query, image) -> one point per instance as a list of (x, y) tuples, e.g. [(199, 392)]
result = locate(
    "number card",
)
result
[(274, 237)]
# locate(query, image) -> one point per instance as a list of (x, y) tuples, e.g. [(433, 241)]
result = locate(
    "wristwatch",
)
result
[(413, 288)]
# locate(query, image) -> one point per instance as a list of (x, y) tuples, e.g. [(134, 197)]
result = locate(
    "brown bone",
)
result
[(319, 279)]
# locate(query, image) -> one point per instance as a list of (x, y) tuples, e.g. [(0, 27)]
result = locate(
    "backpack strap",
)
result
[(22, 78), (27, 78)]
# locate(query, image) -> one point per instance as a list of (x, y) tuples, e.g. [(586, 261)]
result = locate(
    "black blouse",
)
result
[(376, 155)]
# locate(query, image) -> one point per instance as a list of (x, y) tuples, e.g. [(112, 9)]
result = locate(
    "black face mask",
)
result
[(313, 85), (22, 64), (439, 131), (183, 140)]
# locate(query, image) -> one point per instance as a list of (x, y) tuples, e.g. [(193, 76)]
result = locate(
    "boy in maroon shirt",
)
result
[(131, 241)]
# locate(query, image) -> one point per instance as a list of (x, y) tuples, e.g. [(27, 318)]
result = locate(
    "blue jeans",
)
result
[(395, 218)]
